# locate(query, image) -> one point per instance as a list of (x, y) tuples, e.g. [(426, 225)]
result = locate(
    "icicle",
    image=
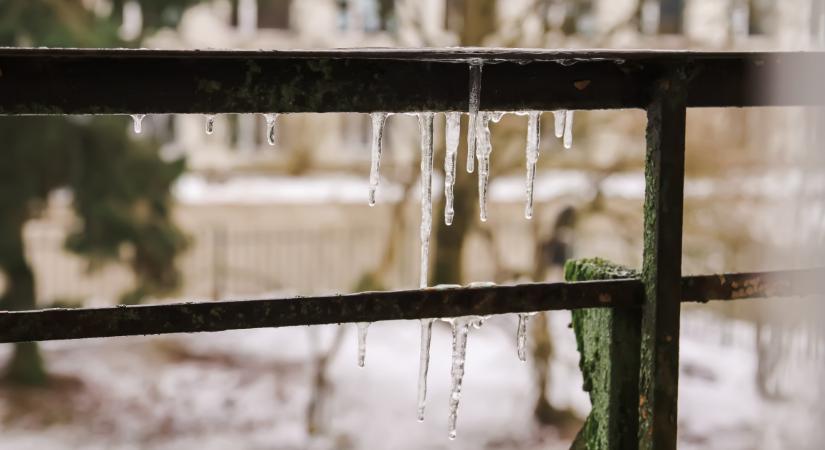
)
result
[(533, 137), (362, 342), (568, 129), (461, 327), (476, 65), (484, 148), (424, 365), (559, 119), (378, 121), (271, 127), (137, 122), (210, 123), (521, 335), (425, 121), (453, 130)]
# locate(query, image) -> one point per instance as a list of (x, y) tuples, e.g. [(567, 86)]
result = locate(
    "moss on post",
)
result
[(608, 340)]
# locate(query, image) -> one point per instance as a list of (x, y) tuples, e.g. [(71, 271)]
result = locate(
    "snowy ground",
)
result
[(250, 388)]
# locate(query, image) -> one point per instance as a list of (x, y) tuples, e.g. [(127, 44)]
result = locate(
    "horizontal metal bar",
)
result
[(52, 324), (76, 81), (363, 307)]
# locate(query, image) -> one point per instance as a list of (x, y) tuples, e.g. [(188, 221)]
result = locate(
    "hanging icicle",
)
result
[(476, 66), (362, 342), (378, 120), (452, 133), (137, 122), (568, 129), (521, 335), (461, 328), (532, 154), (484, 147), (425, 122), (271, 128), (558, 117), (210, 123), (424, 365)]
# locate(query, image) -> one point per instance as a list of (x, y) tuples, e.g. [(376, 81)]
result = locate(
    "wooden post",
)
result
[(662, 263), (608, 341)]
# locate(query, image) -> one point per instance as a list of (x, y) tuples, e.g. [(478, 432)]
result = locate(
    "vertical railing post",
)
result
[(662, 263)]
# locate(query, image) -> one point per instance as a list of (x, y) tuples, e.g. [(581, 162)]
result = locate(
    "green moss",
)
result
[(608, 344)]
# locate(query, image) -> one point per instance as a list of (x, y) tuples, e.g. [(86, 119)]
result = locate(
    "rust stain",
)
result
[(581, 84), (605, 298)]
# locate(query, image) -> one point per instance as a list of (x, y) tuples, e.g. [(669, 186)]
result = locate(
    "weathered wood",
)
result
[(608, 341), (662, 263), (76, 81)]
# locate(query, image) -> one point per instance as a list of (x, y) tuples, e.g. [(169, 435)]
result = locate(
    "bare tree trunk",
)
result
[(26, 365)]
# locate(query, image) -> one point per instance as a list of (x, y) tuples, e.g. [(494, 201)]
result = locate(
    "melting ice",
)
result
[(568, 129), (476, 65), (484, 147), (461, 328), (362, 342), (378, 121), (532, 153), (453, 130), (521, 335), (210, 123), (137, 122), (271, 127)]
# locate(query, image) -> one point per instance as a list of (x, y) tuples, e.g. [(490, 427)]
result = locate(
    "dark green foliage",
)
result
[(608, 341), (120, 187)]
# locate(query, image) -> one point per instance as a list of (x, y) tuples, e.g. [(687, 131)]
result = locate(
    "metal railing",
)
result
[(36, 81)]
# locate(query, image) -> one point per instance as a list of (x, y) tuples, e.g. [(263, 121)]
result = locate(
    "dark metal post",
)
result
[(662, 265)]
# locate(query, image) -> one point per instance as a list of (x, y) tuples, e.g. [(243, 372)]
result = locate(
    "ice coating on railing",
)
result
[(362, 342), (476, 66), (137, 122), (210, 123), (378, 120), (452, 133), (461, 328), (484, 147), (532, 157), (521, 335), (568, 129), (271, 128)]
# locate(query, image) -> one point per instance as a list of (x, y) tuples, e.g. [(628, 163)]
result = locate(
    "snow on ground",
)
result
[(250, 388)]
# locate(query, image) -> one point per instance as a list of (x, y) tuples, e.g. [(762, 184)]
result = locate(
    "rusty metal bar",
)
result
[(52, 324), (662, 263), (96, 81)]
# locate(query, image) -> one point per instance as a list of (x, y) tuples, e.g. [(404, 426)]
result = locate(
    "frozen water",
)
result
[(476, 66), (521, 335), (362, 342), (559, 122), (532, 154), (271, 127), (425, 121), (424, 365), (210, 123), (453, 130), (484, 147), (137, 122), (461, 328), (378, 121), (568, 129)]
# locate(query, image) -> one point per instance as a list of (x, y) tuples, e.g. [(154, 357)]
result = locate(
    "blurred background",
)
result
[(94, 214)]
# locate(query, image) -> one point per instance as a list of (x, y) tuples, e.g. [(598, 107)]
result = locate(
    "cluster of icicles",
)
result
[(479, 147)]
